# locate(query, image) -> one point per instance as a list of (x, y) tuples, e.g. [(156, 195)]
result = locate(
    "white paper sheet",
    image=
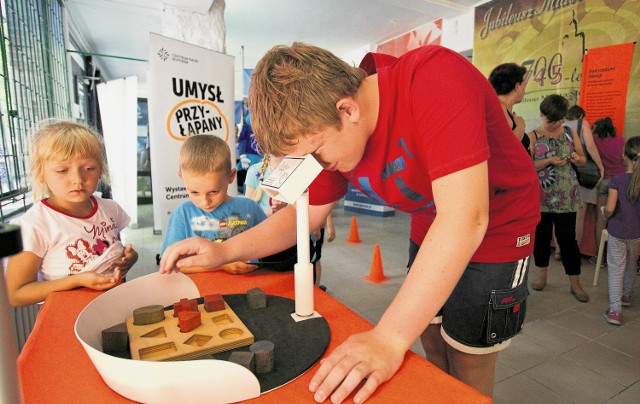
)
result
[(199, 381)]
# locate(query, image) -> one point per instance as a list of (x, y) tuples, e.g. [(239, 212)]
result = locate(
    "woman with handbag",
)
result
[(610, 147), (588, 191), (556, 149)]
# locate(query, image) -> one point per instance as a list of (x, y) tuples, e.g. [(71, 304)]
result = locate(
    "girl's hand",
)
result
[(96, 281), (125, 263)]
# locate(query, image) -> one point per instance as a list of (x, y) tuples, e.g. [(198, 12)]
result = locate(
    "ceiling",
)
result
[(121, 27)]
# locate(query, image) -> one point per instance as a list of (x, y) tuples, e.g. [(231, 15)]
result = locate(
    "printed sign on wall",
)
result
[(190, 93), (605, 79), (550, 39)]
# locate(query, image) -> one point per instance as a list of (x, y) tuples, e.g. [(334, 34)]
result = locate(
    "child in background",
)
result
[(623, 248), (71, 238), (205, 170)]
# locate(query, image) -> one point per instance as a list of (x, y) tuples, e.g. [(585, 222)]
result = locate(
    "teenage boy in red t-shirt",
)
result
[(422, 131)]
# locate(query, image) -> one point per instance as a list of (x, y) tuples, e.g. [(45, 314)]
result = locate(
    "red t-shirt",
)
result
[(439, 115)]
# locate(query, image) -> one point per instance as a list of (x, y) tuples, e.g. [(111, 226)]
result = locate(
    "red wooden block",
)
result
[(189, 320), (185, 305), (213, 303)]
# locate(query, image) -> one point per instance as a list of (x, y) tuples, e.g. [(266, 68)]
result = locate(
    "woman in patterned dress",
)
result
[(556, 149)]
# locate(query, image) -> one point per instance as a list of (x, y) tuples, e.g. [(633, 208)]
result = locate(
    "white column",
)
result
[(303, 270), (206, 29)]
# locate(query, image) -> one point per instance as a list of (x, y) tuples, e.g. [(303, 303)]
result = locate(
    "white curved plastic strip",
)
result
[(199, 381)]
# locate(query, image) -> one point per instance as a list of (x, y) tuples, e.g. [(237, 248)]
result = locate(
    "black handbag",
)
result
[(588, 174)]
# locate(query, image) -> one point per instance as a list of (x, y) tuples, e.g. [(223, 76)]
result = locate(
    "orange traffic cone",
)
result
[(376, 274), (354, 237)]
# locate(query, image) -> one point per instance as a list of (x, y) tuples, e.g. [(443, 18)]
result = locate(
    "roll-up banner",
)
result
[(190, 93)]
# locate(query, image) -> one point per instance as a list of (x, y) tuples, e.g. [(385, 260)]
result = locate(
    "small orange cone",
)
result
[(354, 237), (376, 274)]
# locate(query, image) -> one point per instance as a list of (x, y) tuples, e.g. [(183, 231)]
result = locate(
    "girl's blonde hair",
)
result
[(257, 195), (632, 152), (59, 140), (203, 154)]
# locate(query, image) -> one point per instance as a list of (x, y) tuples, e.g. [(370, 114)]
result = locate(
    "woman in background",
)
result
[(508, 81), (576, 121), (556, 148)]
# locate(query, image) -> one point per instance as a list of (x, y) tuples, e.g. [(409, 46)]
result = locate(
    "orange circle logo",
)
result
[(196, 117)]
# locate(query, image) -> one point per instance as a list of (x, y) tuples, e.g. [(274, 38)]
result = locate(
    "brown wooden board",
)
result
[(220, 331)]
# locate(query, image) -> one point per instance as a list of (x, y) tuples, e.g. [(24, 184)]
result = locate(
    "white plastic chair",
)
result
[(603, 241)]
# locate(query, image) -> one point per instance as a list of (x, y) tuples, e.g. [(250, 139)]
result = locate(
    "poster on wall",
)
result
[(427, 34), (190, 93), (550, 39), (605, 79)]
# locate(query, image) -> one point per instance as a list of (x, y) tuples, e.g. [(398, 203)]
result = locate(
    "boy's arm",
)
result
[(273, 235), (463, 214)]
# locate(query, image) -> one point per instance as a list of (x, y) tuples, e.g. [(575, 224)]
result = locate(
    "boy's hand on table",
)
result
[(191, 252), (368, 355)]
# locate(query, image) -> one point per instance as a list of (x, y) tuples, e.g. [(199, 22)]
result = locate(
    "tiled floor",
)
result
[(566, 353)]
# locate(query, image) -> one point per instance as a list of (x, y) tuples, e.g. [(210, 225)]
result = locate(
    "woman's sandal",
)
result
[(580, 295)]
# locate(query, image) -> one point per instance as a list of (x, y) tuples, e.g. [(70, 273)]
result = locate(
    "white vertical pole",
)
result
[(303, 270)]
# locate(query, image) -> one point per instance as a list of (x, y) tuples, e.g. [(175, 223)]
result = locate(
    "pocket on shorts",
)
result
[(506, 313)]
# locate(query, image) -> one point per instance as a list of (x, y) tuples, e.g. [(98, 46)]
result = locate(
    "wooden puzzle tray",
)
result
[(162, 341)]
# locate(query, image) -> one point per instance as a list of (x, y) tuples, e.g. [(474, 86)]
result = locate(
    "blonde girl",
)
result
[(623, 248), (71, 238)]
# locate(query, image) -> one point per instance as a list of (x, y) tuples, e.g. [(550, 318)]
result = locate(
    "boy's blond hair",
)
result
[(60, 140), (202, 154), (293, 92)]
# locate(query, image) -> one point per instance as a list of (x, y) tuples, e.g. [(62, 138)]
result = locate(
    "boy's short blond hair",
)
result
[(58, 140), (202, 154), (293, 92)]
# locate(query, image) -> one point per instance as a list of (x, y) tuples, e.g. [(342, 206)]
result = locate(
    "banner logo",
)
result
[(163, 54), (195, 117)]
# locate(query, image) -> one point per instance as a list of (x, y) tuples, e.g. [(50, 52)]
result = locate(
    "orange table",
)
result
[(54, 367)]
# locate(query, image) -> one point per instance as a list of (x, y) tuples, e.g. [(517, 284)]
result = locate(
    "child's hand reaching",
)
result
[(96, 281), (124, 264)]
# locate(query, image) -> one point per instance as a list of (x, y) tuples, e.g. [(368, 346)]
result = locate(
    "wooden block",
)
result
[(246, 359), (189, 320), (220, 331), (184, 305), (256, 298), (264, 352), (148, 315), (115, 340), (213, 303)]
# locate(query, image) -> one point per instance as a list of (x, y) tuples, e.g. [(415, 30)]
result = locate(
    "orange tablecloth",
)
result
[(54, 367)]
